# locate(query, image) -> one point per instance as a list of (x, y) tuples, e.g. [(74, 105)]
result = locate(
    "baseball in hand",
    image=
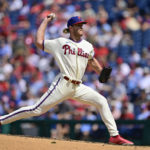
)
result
[(52, 15)]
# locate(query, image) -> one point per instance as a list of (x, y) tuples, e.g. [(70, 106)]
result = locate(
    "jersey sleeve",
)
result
[(91, 54), (49, 46)]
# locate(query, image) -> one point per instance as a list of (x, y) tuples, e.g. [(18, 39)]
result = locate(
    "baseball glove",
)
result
[(105, 74)]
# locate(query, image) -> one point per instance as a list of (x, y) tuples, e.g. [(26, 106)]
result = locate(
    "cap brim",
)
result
[(81, 22)]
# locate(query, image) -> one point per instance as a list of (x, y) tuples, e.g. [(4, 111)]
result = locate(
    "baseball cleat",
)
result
[(119, 140)]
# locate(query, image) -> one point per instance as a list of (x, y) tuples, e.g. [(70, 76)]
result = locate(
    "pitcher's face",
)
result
[(77, 29)]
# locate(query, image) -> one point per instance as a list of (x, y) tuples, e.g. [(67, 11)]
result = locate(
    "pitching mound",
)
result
[(8, 142)]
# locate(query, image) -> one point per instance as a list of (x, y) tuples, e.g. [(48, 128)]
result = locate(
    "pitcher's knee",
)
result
[(34, 111), (101, 101), (38, 112)]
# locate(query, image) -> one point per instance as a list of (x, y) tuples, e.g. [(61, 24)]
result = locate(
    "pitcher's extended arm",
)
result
[(41, 30)]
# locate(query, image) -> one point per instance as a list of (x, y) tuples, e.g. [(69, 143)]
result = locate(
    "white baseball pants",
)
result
[(61, 90)]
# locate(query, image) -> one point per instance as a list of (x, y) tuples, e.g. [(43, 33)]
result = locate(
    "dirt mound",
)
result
[(8, 142)]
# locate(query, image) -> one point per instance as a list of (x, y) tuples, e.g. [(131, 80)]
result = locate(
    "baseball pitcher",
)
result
[(72, 54)]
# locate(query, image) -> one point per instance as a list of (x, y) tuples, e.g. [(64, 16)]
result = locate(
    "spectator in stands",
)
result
[(5, 49), (145, 112)]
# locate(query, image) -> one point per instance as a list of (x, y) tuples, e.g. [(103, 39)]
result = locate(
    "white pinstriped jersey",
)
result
[(72, 57)]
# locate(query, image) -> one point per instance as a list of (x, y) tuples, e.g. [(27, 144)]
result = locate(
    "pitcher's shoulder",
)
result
[(61, 40), (87, 43)]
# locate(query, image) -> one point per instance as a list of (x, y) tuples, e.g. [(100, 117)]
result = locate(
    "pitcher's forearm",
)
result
[(95, 65), (41, 30), (40, 34)]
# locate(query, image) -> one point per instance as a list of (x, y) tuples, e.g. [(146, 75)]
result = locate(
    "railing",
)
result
[(135, 130)]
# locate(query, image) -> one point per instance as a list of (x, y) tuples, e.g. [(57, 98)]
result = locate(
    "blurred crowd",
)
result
[(120, 33)]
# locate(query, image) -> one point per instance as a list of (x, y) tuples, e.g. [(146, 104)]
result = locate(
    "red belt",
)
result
[(72, 81)]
